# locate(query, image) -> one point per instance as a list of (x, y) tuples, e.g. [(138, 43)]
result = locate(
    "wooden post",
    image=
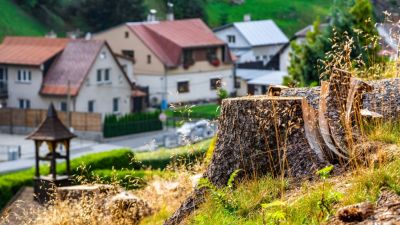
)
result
[(67, 157), (53, 160), (37, 172)]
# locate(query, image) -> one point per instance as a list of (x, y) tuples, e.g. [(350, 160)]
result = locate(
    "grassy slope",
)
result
[(290, 15), (14, 21)]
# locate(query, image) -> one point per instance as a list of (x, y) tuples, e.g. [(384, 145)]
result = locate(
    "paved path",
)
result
[(138, 142)]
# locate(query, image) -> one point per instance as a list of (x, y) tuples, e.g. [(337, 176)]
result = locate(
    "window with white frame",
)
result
[(63, 106), (231, 39), (24, 76), (115, 105), (91, 106), (103, 76), (24, 103)]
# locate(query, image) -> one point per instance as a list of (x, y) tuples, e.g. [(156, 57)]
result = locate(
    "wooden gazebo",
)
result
[(54, 133)]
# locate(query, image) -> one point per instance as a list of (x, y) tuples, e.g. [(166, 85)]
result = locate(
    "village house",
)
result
[(35, 71), (178, 60), (254, 43)]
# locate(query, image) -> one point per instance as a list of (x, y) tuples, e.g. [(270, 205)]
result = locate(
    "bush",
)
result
[(131, 124)]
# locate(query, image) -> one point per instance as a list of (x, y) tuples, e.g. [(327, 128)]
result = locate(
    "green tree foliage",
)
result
[(102, 14), (184, 9), (351, 18)]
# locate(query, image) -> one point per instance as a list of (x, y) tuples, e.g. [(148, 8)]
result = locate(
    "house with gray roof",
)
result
[(253, 42)]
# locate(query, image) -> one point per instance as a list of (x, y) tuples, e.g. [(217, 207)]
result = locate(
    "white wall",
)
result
[(240, 42), (260, 51), (129, 67), (104, 93), (199, 85)]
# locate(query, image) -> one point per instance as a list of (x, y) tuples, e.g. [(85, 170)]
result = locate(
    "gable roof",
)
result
[(51, 128), (72, 65), (303, 32), (31, 51), (166, 39), (260, 32)]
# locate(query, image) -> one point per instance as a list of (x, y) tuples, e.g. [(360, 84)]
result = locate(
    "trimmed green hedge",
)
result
[(133, 123), (12, 182)]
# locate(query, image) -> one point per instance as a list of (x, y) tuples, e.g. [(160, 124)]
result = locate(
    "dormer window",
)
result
[(187, 58), (231, 39)]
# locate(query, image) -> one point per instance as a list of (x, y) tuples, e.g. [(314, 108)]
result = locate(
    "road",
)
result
[(137, 142)]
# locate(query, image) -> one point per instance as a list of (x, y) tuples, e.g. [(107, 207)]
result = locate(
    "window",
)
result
[(103, 76), (63, 106), (128, 53), (215, 83), (237, 84), (24, 103), (107, 75), (115, 105), (3, 74), (148, 59), (257, 58), (188, 58), (103, 55), (183, 87), (99, 72), (231, 39), (265, 57), (91, 106), (24, 76), (126, 34)]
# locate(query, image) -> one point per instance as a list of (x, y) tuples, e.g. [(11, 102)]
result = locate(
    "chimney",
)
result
[(152, 15), (88, 36), (170, 11), (247, 17), (51, 34)]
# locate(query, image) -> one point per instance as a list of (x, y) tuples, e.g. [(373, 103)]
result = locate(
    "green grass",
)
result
[(388, 132), (264, 198), (195, 110), (14, 21), (290, 15)]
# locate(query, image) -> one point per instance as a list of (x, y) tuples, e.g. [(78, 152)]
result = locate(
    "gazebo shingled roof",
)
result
[(51, 129)]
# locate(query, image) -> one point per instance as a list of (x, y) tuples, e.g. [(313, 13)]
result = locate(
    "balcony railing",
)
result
[(3, 89)]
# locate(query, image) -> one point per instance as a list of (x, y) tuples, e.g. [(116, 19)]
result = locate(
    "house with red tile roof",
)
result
[(36, 71), (179, 60)]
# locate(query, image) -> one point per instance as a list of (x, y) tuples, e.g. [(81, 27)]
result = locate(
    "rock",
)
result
[(128, 208), (355, 213)]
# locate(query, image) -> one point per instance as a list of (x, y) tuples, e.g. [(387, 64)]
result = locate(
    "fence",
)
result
[(131, 124), (31, 118)]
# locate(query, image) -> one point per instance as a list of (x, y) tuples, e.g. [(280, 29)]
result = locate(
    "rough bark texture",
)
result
[(292, 135), (384, 98)]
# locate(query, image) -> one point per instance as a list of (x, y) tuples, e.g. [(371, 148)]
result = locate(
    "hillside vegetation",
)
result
[(290, 16), (14, 21)]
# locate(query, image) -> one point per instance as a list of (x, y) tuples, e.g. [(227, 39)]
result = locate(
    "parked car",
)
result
[(194, 131)]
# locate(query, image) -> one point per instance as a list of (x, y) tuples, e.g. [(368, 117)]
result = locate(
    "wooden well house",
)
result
[(55, 134)]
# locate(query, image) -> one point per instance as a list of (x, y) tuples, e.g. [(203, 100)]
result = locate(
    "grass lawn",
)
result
[(290, 15), (14, 21), (209, 109)]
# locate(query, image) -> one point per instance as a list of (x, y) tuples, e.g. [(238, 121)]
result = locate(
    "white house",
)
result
[(179, 60), (253, 42), (39, 70)]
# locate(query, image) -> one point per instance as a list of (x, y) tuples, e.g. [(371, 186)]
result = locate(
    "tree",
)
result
[(101, 14), (348, 20), (184, 9)]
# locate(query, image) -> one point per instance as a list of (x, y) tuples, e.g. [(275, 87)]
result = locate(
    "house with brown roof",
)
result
[(39, 70), (179, 60)]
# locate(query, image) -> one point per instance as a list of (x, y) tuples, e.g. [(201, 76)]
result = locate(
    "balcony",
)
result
[(3, 89)]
